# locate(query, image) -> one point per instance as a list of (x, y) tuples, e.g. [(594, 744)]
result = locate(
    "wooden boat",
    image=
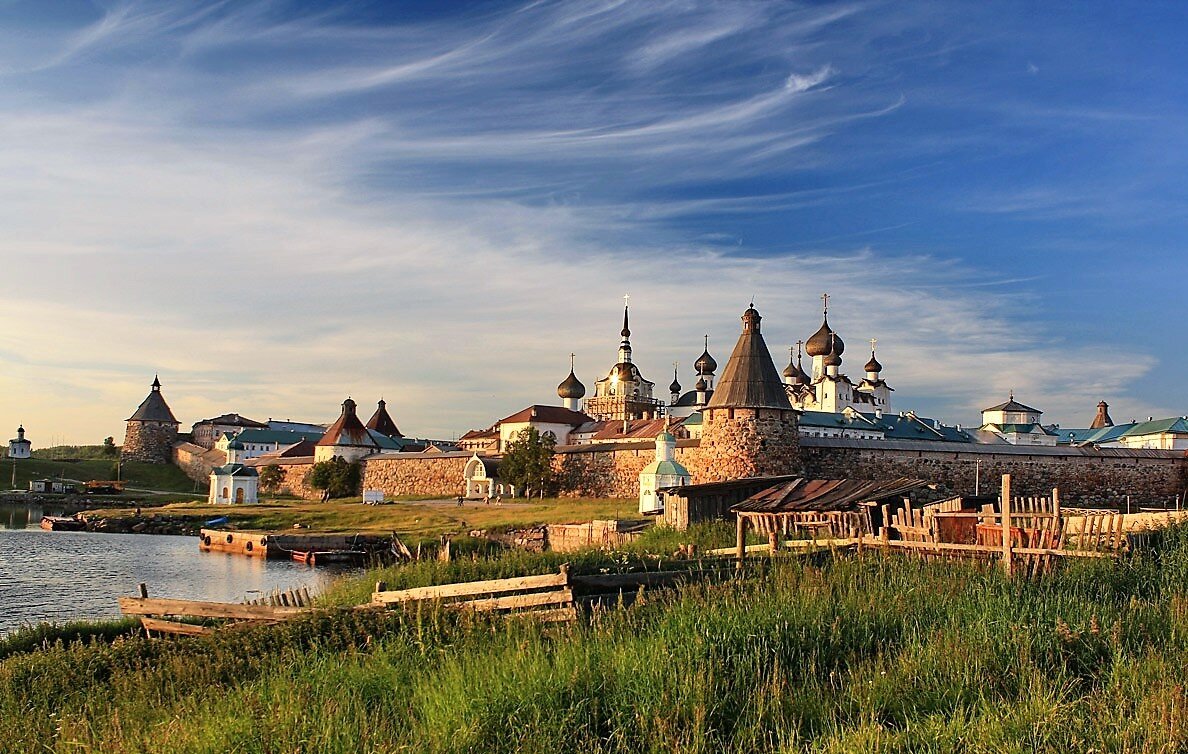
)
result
[(326, 557), (62, 523)]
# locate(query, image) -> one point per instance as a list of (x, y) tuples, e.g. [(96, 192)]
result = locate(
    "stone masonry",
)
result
[(432, 476), (744, 442), (151, 442)]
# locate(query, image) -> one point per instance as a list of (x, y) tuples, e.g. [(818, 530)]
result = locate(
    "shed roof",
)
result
[(799, 495)]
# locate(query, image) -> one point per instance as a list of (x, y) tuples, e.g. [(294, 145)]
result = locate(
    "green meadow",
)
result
[(874, 653)]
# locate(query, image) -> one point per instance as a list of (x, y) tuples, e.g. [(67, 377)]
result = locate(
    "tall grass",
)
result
[(882, 653)]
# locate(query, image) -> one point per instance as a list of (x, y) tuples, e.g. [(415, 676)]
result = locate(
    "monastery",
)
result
[(753, 420)]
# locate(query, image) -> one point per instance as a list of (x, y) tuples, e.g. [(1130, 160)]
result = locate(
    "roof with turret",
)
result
[(750, 379), (154, 408), (348, 431), (381, 421)]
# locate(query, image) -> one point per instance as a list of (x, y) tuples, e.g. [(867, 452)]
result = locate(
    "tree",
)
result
[(109, 446), (271, 477), (528, 461), (336, 477)]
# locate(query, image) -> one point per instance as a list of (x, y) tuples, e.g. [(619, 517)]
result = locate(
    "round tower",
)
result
[(152, 430), (749, 428)]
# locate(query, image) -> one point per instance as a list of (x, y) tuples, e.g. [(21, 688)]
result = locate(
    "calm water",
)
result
[(57, 575)]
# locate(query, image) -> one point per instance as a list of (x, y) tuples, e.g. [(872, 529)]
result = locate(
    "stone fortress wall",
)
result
[(150, 442), (1084, 476)]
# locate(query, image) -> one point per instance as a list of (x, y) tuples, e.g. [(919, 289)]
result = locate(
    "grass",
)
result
[(882, 654), (411, 518), (149, 476)]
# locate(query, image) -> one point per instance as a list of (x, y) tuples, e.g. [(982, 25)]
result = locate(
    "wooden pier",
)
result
[(283, 545)]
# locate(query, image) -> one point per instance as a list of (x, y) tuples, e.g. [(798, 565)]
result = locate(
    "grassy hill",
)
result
[(138, 475)]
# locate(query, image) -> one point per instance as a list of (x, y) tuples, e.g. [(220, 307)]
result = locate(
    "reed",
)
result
[(878, 653)]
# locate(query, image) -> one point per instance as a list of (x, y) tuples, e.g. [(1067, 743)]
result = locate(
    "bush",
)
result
[(337, 477)]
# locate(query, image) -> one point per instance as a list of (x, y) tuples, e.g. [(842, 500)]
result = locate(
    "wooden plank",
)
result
[(1007, 564), (173, 627), (471, 588), (141, 606), (519, 601)]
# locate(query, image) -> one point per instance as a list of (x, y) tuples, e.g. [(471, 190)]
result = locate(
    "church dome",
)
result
[(701, 385), (873, 365), (819, 343), (705, 363), (675, 387), (625, 372), (572, 387)]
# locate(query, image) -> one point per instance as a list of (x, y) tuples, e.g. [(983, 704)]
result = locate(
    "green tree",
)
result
[(528, 461), (109, 446), (336, 477), (271, 477)]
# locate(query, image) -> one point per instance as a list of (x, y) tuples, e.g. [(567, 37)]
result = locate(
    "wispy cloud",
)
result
[(275, 210)]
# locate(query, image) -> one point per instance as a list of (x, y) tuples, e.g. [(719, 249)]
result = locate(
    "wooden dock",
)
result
[(284, 544)]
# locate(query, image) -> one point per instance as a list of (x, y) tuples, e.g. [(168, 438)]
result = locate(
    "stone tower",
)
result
[(749, 428), (152, 430)]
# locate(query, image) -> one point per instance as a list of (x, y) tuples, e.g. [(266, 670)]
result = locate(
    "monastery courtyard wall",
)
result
[(1085, 477)]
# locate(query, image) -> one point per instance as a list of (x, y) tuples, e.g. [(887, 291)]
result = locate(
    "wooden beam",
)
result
[(471, 589), (1007, 559), (517, 601), (142, 606), (173, 627), (740, 540)]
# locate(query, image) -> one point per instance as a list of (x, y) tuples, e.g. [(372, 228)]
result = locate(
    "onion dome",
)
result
[(626, 333), (705, 363), (701, 385), (822, 340), (833, 358), (572, 387), (873, 365), (675, 387)]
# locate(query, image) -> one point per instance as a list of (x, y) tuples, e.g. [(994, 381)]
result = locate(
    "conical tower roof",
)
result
[(348, 430), (1103, 417), (381, 421), (154, 408), (750, 379)]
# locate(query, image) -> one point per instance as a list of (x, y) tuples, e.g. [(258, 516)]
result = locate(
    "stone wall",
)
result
[(744, 442), (431, 476), (197, 462), (609, 470), (1085, 477), (295, 479), (151, 442)]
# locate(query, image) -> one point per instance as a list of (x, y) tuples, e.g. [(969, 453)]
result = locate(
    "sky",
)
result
[(274, 205)]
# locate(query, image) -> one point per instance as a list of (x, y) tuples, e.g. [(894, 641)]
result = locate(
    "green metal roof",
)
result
[(664, 468), (278, 436), (1176, 424)]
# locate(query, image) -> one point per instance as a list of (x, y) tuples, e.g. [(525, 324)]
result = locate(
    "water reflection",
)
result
[(68, 575)]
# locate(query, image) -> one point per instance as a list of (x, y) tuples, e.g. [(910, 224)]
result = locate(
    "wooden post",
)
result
[(381, 586), (1007, 565), (740, 541), (773, 542), (143, 590), (860, 532)]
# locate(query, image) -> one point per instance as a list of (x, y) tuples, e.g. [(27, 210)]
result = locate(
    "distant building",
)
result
[(827, 389), (1017, 424), (684, 405), (346, 438), (260, 442), (19, 447), (624, 393), (208, 431), (480, 441), (233, 482), (152, 430), (555, 421)]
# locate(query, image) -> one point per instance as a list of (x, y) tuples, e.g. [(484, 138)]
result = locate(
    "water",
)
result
[(58, 576)]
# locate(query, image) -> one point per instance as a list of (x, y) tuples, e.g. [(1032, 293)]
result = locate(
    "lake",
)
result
[(58, 576)]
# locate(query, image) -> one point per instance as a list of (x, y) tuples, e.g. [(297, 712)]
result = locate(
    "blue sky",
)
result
[(278, 204)]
